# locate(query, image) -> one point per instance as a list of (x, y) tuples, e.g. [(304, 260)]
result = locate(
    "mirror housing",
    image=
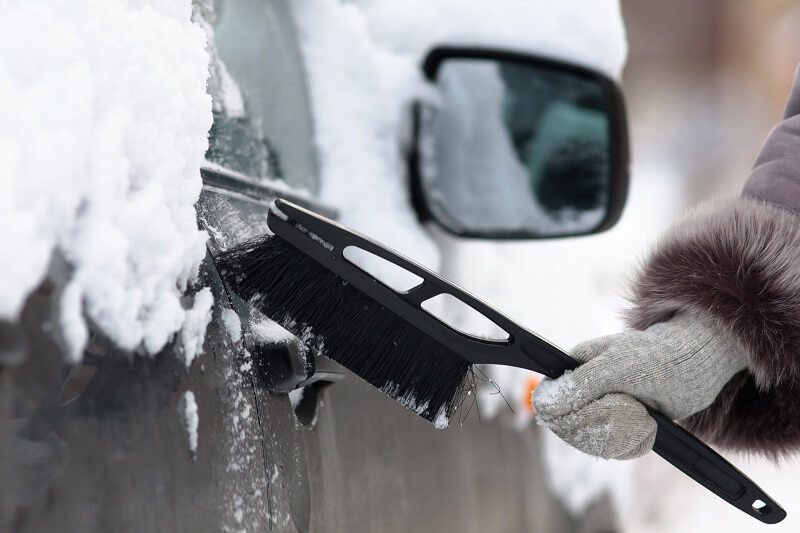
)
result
[(579, 135)]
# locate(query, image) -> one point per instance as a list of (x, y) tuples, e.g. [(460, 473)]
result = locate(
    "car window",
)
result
[(262, 124)]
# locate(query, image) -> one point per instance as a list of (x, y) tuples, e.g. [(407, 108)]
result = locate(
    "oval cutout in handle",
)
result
[(463, 317)]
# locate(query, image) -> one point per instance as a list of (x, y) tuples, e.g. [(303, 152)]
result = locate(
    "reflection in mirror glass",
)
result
[(516, 147)]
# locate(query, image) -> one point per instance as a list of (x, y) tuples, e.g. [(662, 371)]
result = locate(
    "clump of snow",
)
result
[(193, 332), (265, 330), (550, 391), (233, 326), (441, 421), (187, 409), (309, 338), (296, 396), (101, 141)]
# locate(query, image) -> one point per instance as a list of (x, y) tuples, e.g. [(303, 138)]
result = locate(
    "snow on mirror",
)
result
[(462, 317), (516, 148), (391, 275)]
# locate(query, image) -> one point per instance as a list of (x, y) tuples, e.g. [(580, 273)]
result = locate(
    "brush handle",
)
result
[(692, 457), (522, 348)]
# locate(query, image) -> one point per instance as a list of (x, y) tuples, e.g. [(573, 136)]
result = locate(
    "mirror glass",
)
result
[(516, 148)]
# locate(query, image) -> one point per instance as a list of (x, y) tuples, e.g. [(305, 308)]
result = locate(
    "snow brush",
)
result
[(301, 278)]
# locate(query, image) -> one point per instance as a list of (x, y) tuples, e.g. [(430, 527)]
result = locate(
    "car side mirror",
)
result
[(516, 146)]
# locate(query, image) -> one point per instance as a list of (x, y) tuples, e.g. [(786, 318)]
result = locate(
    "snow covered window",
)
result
[(262, 124)]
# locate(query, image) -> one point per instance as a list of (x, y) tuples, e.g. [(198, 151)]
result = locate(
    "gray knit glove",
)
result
[(678, 367)]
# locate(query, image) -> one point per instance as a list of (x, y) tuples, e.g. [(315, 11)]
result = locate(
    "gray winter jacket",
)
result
[(737, 263)]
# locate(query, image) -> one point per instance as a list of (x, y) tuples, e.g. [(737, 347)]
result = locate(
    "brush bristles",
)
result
[(341, 322)]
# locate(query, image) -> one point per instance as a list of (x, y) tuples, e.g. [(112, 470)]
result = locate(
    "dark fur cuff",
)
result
[(736, 263)]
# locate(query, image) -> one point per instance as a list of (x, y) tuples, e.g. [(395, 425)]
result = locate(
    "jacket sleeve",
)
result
[(737, 263)]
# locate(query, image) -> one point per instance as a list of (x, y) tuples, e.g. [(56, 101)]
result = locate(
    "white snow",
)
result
[(358, 96), (233, 326), (193, 332), (550, 391), (588, 32), (265, 330), (441, 421), (408, 400), (102, 133), (296, 396), (187, 408)]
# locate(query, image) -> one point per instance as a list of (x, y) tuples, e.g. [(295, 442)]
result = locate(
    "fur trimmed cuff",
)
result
[(737, 264)]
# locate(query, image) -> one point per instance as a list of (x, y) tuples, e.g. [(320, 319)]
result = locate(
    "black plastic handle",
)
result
[(324, 240), (707, 467)]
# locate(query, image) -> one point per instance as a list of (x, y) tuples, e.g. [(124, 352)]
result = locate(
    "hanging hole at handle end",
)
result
[(760, 507)]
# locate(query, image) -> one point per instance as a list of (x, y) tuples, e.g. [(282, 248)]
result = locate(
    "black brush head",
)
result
[(341, 322)]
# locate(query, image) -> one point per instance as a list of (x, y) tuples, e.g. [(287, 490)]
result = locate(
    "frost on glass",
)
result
[(262, 124)]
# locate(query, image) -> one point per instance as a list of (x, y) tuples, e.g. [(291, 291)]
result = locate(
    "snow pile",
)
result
[(101, 139), (359, 93), (588, 32)]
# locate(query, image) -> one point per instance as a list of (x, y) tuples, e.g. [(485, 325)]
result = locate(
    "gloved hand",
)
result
[(678, 367)]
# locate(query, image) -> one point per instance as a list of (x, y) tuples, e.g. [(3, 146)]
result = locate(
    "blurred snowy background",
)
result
[(704, 83)]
